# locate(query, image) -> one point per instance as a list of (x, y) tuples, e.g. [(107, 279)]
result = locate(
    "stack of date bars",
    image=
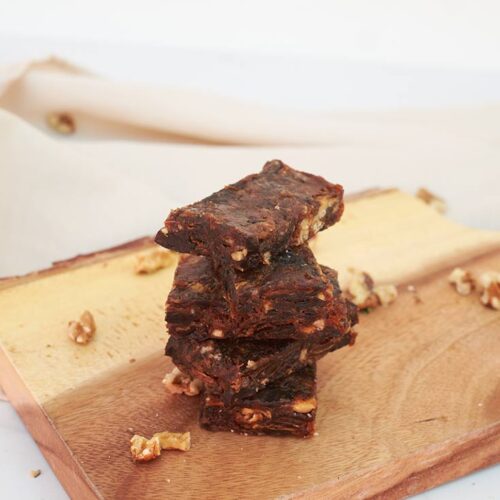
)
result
[(251, 311)]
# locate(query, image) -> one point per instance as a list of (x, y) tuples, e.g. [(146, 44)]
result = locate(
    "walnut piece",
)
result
[(35, 473), (177, 382), (145, 450), (63, 123), (386, 294), (305, 405), (361, 290), (174, 440), (82, 331), (153, 260), (239, 255), (218, 333), (490, 283), (311, 225), (462, 280), (252, 416), (432, 200)]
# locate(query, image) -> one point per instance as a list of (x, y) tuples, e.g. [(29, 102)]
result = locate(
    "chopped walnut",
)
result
[(153, 260), (311, 225), (82, 331), (267, 305), (177, 382), (266, 258), (239, 255), (198, 287), (319, 324), (35, 473), (252, 416), (174, 440), (304, 405), (463, 281), (386, 294), (490, 296), (303, 355), (63, 123), (432, 200), (144, 450), (362, 291)]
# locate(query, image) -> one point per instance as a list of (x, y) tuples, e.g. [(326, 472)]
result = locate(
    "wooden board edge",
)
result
[(57, 453), (80, 260), (439, 464)]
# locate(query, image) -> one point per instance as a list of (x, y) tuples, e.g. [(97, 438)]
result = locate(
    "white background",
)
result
[(331, 54)]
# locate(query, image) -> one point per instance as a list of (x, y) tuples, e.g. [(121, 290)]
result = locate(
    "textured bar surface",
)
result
[(248, 223), (230, 366), (293, 297), (288, 407)]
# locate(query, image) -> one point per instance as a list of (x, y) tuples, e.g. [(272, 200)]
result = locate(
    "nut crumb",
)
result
[(303, 355), (82, 331), (490, 283), (63, 123), (130, 430), (361, 290), (218, 333), (239, 255), (174, 440), (463, 281), (251, 364), (145, 450), (304, 406), (386, 294), (153, 260), (177, 382), (432, 200), (35, 473)]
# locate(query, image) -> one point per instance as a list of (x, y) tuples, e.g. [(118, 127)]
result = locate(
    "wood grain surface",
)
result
[(414, 403)]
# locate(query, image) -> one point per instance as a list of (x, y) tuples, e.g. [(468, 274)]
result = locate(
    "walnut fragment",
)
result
[(432, 200), (177, 382), (174, 440), (386, 294), (145, 450), (82, 331), (63, 123), (153, 260), (361, 290), (490, 283), (462, 280)]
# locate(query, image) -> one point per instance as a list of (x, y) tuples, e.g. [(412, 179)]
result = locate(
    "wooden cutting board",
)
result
[(415, 403)]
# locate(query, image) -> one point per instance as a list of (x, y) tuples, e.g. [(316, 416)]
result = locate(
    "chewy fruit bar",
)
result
[(287, 407), (243, 365), (292, 297), (248, 223)]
